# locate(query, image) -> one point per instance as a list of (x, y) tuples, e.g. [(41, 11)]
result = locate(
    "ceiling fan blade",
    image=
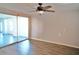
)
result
[(47, 7), (49, 10)]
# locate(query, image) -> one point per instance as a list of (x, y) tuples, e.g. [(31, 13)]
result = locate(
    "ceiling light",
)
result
[(40, 12)]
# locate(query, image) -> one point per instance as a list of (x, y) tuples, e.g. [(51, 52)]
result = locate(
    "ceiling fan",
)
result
[(42, 9)]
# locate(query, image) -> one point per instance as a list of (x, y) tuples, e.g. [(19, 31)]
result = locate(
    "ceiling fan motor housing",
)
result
[(40, 4), (40, 8)]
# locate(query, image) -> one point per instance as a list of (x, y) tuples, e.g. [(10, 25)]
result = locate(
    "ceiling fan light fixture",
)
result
[(40, 12)]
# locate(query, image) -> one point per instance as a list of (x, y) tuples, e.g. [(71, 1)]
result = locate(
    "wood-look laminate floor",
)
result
[(35, 47)]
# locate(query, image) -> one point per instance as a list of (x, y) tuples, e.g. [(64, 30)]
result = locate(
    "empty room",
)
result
[(39, 28)]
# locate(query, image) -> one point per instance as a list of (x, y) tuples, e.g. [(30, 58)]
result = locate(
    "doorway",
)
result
[(13, 29)]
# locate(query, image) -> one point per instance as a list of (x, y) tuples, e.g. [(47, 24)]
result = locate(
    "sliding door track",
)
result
[(13, 43)]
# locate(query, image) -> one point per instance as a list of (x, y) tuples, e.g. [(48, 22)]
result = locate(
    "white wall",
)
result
[(60, 27), (37, 28)]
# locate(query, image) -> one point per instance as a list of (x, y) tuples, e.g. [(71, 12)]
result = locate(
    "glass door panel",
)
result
[(12, 29), (7, 29), (22, 28)]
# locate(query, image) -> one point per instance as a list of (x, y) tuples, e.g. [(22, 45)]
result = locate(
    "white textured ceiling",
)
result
[(29, 8)]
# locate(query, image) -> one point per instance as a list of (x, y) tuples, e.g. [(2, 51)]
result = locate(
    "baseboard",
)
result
[(56, 43)]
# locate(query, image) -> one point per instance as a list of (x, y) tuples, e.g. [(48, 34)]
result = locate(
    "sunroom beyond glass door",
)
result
[(12, 29), (8, 29)]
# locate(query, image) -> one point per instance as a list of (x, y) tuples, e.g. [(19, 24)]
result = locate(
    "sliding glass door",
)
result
[(12, 29), (22, 28)]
